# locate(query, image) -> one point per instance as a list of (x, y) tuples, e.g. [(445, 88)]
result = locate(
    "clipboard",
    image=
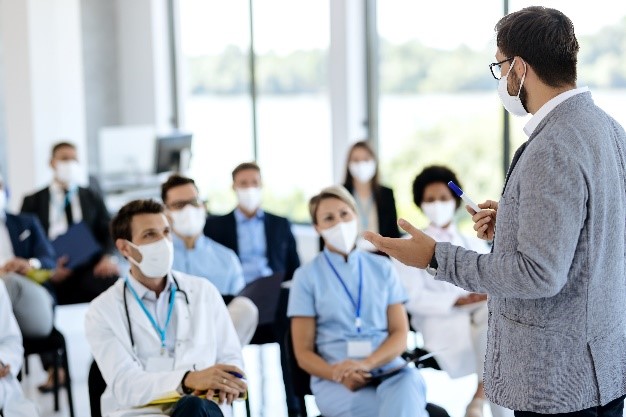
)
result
[(78, 244), (379, 375)]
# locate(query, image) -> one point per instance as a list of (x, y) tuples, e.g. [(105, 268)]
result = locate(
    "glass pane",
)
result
[(438, 101), (294, 131), (601, 56), (215, 43)]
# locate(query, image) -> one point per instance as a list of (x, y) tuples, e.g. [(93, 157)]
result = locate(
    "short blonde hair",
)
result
[(336, 191)]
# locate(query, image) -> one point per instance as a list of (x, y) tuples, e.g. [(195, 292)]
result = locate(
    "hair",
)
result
[(349, 180), (122, 222), (60, 145), (430, 175), (245, 166), (336, 191), (545, 39), (173, 181)]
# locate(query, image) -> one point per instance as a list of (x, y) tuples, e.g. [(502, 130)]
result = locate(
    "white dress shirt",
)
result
[(58, 220)]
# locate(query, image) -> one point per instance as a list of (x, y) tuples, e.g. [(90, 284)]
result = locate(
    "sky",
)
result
[(287, 25)]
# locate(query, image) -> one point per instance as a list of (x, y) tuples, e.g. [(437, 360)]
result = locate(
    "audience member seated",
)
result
[(348, 321), (157, 333), (452, 321), (62, 204), (25, 250), (264, 244), (198, 255), (12, 400), (59, 206), (376, 206)]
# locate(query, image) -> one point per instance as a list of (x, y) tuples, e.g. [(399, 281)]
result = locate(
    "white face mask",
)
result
[(363, 171), (440, 213), (3, 200), (189, 221), (68, 172), (249, 198), (156, 258), (513, 104), (341, 236)]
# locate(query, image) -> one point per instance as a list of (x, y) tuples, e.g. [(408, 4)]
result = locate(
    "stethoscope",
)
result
[(130, 328)]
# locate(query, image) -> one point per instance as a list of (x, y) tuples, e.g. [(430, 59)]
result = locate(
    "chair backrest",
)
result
[(265, 293), (300, 378), (97, 385)]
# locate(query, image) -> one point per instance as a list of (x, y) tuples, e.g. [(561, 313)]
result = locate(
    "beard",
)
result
[(523, 93)]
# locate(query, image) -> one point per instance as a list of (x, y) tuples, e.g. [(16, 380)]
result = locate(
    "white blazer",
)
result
[(11, 350), (445, 328), (204, 336)]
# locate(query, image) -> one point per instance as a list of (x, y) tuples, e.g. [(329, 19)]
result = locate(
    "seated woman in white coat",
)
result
[(12, 400), (348, 322), (452, 321), (158, 333)]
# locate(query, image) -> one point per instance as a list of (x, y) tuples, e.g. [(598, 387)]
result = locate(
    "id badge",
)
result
[(359, 348), (160, 363)]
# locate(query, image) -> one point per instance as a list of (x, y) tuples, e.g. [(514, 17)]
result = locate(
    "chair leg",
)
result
[(248, 411), (55, 378), (68, 382)]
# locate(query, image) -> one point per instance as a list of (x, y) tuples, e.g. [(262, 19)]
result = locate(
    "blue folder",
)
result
[(78, 244)]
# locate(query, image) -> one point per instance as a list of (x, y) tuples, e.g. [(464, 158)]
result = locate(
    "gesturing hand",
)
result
[(416, 251)]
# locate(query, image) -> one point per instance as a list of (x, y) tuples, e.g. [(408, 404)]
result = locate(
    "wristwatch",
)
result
[(432, 266), (182, 388)]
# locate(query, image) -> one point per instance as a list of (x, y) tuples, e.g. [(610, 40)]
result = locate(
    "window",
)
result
[(215, 45), (293, 133), (438, 102)]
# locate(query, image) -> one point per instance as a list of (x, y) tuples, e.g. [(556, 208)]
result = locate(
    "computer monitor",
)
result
[(173, 152)]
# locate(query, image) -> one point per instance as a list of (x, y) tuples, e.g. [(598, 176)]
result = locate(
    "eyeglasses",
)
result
[(179, 205), (496, 68)]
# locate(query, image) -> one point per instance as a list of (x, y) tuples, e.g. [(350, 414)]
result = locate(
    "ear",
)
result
[(123, 247)]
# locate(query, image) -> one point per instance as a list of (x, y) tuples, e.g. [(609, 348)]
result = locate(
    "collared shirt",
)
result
[(158, 307), (58, 220), (210, 260), (252, 245), (548, 107), (6, 247), (317, 292)]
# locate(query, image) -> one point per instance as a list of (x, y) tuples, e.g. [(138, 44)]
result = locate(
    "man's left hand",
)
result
[(416, 251), (106, 268), (17, 265)]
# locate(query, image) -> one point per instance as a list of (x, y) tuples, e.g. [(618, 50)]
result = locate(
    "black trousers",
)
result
[(613, 409)]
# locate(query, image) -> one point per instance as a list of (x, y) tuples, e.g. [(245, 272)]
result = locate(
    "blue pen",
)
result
[(465, 198), (235, 374)]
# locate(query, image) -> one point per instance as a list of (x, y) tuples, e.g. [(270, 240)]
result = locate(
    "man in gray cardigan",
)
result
[(556, 278)]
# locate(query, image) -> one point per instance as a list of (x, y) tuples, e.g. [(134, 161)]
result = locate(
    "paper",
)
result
[(173, 396), (78, 244)]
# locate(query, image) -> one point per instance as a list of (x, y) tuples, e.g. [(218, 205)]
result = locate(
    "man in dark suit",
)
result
[(264, 244), (24, 248), (62, 204)]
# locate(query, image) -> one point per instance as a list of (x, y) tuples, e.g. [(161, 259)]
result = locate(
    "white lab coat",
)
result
[(458, 333), (204, 336), (12, 353)]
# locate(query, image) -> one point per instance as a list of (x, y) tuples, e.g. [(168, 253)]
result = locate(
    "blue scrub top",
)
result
[(209, 259), (317, 292)]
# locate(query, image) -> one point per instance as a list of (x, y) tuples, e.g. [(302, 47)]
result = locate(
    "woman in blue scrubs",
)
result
[(348, 321)]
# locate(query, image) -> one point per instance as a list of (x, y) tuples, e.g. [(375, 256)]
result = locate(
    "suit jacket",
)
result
[(555, 279), (282, 256), (386, 210), (29, 240), (95, 214)]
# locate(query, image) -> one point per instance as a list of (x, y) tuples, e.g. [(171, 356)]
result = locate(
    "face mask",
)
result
[(440, 213), (189, 221), (363, 171), (156, 258), (512, 104), (3, 200), (341, 236), (68, 172), (249, 198)]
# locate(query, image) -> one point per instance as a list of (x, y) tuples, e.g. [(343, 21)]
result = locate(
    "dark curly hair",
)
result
[(430, 175)]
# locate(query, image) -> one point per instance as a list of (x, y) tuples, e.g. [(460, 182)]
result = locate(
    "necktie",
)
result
[(68, 209)]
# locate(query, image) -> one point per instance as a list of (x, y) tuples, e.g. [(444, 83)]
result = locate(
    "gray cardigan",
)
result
[(556, 278)]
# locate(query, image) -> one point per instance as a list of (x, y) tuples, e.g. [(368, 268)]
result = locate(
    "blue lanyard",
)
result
[(356, 303), (161, 331)]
